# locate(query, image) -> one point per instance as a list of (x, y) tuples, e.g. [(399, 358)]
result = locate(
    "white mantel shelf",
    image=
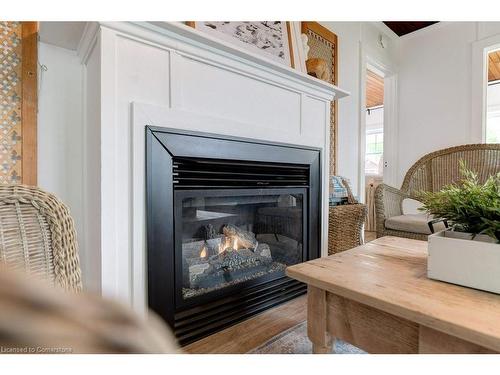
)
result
[(170, 75), (188, 36), (207, 41)]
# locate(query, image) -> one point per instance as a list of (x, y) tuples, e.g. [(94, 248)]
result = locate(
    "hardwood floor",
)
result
[(370, 236), (250, 334)]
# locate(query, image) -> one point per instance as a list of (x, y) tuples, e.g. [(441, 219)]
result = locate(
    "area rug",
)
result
[(295, 341)]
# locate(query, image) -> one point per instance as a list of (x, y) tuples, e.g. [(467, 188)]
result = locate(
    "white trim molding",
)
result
[(87, 41), (480, 49), (391, 133), (390, 104)]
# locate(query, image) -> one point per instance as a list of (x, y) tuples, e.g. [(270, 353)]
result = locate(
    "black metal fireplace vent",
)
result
[(193, 324), (215, 173)]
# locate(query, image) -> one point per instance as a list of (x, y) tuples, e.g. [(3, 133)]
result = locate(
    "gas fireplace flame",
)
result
[(222, 248), (229, 243), (203, 252)]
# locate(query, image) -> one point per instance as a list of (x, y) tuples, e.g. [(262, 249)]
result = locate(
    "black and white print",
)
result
[(269, 38)]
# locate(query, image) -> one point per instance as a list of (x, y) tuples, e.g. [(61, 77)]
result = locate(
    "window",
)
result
[(493, 113), (374, 141), (493, 98)]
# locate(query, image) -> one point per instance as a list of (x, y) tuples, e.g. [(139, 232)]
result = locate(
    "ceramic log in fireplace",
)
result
[(226, 216)]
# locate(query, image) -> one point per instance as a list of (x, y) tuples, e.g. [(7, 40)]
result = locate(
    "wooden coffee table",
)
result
[(378, 298)]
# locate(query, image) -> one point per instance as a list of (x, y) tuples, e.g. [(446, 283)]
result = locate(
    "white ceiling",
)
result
[(62, 34)]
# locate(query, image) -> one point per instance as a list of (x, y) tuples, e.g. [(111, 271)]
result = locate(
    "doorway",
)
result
[(374, 142), (374, 128)]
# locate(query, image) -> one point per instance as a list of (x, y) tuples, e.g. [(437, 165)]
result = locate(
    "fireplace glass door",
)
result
[(229, 237)]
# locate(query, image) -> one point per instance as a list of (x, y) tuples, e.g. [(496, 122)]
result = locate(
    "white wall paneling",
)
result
[(90, 249), (172, 76), (220, 92)]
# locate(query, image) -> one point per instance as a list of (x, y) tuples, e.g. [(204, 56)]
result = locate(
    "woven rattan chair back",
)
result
[(37, 234), (440, 168)]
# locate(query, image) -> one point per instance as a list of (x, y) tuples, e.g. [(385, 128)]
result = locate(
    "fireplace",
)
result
[(230, 237), (225, 217)]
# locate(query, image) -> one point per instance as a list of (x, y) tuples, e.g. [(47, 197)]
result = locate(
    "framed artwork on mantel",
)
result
[(271, 39)]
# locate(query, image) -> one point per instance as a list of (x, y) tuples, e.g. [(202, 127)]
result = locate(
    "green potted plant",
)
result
[(467, 253)]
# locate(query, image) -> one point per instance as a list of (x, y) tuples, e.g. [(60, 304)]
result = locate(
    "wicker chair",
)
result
[(345, 227), (431, 173), (37, 235), (36, 318)]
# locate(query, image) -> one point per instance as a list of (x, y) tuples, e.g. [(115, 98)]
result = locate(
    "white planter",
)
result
[(455, 258)]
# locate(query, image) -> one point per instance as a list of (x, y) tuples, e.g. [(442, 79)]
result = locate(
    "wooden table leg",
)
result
[(323, 349), (317, 321)]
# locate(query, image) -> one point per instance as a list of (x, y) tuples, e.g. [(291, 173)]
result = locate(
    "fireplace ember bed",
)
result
[(226, 216)]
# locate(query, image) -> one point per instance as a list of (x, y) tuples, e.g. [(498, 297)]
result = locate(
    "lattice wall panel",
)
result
[(10, 102), (326, 50)]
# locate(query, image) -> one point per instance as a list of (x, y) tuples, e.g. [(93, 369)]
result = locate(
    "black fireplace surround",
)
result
[(225, 217)]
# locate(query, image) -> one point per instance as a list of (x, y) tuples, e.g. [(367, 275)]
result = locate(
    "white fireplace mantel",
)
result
[(170, 75)]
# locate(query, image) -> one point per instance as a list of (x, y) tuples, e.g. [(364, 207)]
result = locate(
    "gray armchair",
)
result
[(429, 173)]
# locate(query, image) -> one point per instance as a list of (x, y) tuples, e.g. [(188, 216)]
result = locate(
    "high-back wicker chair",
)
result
[(37, 234), (431, 173)]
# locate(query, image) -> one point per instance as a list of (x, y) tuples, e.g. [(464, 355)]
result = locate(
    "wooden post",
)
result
[(29, 102), (317, 321)]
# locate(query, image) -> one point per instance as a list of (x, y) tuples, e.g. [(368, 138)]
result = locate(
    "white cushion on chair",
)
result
[(411, 206), (414, 223)]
